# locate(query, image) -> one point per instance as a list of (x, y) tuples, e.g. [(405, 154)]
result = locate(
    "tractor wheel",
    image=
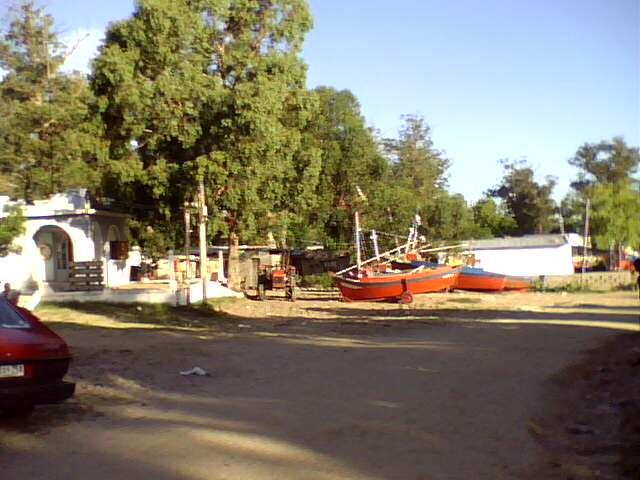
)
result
[(261, 293)]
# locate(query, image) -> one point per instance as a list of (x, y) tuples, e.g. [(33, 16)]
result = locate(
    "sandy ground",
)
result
[(453, 386)]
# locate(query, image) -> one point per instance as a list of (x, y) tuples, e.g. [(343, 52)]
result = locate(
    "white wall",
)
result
[(26, 269), (526, 262)]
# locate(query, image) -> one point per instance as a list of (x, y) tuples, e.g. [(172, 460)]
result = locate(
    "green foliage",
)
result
[(207, 90), (419, 167), (156, 242), (414, 182), (11, 226), (607, 162), (527, 201), (605, 178), (347, 156), (451, 218), (49, 140), (616, 214), (492, 220), (572, 209), (322, 281)]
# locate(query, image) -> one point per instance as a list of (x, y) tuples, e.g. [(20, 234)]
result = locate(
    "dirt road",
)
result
[(315, 390)]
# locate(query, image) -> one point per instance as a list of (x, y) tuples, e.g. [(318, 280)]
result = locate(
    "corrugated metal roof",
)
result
[(528, 241)]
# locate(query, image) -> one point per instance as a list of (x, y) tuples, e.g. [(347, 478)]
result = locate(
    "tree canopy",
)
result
[(606, 162), (527, 201), (204, 91), (606, 177), (214, 91), (49, 139)]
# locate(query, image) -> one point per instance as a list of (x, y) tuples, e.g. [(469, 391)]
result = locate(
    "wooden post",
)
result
[(173, 285), (357, 236), (204, 259), (234, 262), (187, 251)]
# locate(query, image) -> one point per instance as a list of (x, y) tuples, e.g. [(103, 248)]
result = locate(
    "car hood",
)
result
[(37, 343)]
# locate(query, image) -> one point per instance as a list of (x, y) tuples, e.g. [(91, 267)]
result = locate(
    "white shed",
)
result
[(528, 256), (62, 229)]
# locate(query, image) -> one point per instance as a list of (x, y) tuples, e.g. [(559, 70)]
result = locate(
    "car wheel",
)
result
[(18, 411)]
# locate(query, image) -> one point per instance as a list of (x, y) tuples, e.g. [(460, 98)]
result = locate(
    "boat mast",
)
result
[(374, 239), (357, 235)]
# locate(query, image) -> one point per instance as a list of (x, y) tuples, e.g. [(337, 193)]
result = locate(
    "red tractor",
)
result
[(275, 277)]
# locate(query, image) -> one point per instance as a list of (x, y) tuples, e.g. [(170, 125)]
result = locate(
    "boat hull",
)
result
[(517, 283), (475, 279), (394, 286)]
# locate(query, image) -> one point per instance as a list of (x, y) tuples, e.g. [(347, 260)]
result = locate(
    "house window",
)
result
[(119, 250)]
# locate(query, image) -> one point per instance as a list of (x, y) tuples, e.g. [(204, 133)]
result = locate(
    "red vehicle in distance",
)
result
[(33, 362)]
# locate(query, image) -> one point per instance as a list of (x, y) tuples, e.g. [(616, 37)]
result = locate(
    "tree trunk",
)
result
[(234, 262)]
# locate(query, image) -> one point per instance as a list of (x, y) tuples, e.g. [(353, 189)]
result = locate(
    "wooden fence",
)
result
[(84, 276)]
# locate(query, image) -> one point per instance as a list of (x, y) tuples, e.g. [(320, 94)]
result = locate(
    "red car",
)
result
[(33, 362)]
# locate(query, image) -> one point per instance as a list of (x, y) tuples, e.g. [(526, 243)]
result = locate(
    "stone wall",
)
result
[(591, 280)]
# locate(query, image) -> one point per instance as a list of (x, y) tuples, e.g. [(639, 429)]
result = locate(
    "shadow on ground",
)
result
[(370, 394)]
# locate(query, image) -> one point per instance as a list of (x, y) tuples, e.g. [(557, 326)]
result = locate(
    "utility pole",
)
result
[(187, 248), (586, 241), (202, 210)]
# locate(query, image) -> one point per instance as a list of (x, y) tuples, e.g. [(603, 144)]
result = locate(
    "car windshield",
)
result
[(9, 318)]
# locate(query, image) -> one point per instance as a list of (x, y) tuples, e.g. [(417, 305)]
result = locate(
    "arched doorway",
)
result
[(56, 251)]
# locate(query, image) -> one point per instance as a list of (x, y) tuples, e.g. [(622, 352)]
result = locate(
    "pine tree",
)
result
[(48, 140)]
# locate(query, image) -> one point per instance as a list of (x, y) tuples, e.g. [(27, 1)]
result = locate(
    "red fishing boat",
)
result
[(399, 286), (477, 279), (469, 278), (517, 283)]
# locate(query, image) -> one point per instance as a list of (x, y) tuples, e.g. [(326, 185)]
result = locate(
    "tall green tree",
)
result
[(606, 172), (492, 219), (616, 214), (206, 90), (527, 201), (452, 218), (421, 169), (606, 162), (416, 162), (48, 139), (349, 158)]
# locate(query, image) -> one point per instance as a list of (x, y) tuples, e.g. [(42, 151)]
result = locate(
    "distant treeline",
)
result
[(215, 91)]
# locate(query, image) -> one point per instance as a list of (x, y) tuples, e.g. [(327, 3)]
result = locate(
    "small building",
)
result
[(528, 256), (60, 231)]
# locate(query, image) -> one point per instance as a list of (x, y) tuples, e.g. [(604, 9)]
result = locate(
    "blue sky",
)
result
[(493, 78)]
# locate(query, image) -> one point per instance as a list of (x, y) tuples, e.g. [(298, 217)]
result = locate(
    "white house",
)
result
[(528, 256), (62, 229)]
